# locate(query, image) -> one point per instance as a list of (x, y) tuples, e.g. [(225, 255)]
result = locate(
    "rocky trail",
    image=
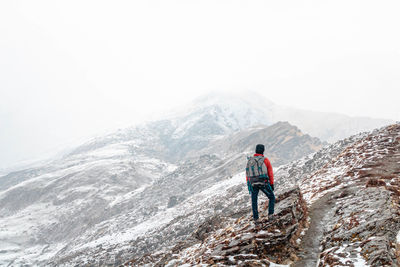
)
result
[(310, 243)]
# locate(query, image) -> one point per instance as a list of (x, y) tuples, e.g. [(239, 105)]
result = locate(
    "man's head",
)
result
[(260, 149)]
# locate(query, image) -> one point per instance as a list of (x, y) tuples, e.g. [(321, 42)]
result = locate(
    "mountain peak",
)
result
[(250, 98)]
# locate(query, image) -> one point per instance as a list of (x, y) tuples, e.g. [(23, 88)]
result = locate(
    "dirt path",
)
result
[(319, 212)]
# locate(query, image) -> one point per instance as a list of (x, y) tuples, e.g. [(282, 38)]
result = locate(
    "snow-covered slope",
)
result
[(352, 190), (363, 186), (54, 204), (217, 115)]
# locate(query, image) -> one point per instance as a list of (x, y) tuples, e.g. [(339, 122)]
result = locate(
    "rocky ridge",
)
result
[(364, 183), (283, 142), (351, 192)]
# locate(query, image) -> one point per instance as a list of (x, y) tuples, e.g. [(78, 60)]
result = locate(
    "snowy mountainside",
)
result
[(99, 197), (42, 212), (175, 137), (352, 193), (170, 199), (298, 170), (214, 116)]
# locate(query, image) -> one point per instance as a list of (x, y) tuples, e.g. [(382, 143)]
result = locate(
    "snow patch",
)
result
[(277, 265), (398, 238)]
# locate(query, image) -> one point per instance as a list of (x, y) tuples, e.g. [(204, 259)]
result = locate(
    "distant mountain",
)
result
[(254, 109), (329, 127), (217, 115)]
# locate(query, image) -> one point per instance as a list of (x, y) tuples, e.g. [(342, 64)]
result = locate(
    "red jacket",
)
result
[(269, 167)]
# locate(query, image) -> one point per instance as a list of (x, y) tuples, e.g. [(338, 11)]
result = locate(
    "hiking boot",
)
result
[(271, 217), (256, 222)]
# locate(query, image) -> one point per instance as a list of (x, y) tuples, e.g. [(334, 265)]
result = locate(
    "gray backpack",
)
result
[(257, 171)]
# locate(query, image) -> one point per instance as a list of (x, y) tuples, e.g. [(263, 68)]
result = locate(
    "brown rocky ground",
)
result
[(363, 219)]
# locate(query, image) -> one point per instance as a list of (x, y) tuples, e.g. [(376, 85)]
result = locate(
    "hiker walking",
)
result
[(259, 176)]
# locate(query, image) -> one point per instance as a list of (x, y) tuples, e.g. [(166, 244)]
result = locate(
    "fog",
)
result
[(73, 69)]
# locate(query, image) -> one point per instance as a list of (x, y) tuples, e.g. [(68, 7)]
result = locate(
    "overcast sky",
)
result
[(71, 69)]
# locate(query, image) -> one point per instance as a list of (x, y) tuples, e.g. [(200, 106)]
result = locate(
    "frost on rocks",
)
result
[(364, 183)]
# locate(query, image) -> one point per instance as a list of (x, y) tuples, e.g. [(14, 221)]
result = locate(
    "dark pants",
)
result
[(254, 196)]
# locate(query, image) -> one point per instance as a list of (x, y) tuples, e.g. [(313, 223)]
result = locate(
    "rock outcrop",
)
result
[(241, 242)]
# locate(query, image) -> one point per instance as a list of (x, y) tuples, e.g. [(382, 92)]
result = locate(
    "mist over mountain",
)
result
[(227, 112), (326, 126)]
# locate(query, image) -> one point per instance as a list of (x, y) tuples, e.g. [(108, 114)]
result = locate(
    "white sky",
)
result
[(70, 69)]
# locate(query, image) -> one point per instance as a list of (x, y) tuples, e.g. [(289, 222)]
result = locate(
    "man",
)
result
[(259, 176)]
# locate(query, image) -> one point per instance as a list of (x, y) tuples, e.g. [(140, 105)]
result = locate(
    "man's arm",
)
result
[(270, 171)]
